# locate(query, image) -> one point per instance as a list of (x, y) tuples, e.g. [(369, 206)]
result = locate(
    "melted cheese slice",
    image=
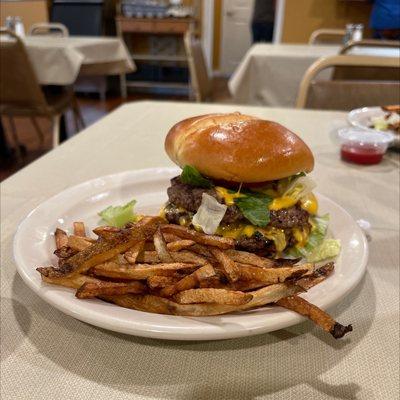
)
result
[(229, 198)]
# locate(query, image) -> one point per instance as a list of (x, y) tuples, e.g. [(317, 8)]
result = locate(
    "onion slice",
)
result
[(209, 215)]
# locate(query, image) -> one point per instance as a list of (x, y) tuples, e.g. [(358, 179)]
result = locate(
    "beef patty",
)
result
[(189, 198)]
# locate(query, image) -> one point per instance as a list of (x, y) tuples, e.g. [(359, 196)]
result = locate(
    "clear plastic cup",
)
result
[(363, 146)]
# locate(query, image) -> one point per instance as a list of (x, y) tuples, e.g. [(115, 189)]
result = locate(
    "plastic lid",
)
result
[(359, 135)]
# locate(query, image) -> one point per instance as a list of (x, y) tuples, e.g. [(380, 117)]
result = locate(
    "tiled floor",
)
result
[(92, 110)]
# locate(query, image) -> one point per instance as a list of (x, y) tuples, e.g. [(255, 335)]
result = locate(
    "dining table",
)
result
[(46, 354), (59, 60), (270, 74)]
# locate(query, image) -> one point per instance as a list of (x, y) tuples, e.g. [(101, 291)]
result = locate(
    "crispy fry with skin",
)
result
[(229, 266), (78, 243), (79, 229), (211, 295), (269, 276), (91, 289), (102, 251), (249, 258), (159, 282), (106, 232), (170, 237), (61, 238), (315, 314), (161, 247), (319, 275), (189, 281), (141, 271), (132, 254), (210, 240), (65, 252), (180, 245), (74, 282), (151, 257)]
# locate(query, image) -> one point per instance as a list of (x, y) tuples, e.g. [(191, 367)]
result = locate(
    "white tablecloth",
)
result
[(59, 60), (48, 355), (270, 74)]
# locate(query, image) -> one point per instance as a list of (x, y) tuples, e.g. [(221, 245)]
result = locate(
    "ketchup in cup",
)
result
[(362, 146)]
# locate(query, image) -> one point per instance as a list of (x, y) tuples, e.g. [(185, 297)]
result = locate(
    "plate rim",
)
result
[(113, 324)]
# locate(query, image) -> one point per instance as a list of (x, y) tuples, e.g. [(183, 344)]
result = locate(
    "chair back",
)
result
[(367, 73), (200, 81), (348, 94), (49, 28), (327, 36), (19, 87)]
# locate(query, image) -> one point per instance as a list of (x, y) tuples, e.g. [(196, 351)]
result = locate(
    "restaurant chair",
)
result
[(366, 73), (201, 85), (327, 36), (348, 94), (22, 96), (49, 28)]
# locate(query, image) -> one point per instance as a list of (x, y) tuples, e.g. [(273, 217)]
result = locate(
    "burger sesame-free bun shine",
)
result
[(238, 148)]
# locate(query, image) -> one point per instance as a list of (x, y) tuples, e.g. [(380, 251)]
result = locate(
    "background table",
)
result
[(48, 355), (59, 60), (270, 74)]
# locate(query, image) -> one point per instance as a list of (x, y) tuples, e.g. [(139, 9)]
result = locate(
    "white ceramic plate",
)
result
[(148, 187)]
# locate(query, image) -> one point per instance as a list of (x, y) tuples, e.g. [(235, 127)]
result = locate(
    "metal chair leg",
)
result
[(77, 115), (122, 84), (14, 135), (38, 130), (55, 121)]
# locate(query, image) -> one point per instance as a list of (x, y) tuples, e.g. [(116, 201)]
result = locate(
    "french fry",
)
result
[(315, 314), (269, 276), (141, 271), (161, 247), (249, 258), (79, 243), (79, 229), (151, 257), (319, 275), (102, 251), (74, 282), (180, 245), (201, 238), (229, 266), (159, 282), (210, 295), (107, 232), (189, 281), (132, 254), (170, 237), (61, 238), (65, 252), (161, 305), (93, 289)]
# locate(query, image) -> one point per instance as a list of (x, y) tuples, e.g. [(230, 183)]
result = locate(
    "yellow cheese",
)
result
[(310, 203), (235, 231), (229, 198), (301, 236), (277, 236), (282, 202)]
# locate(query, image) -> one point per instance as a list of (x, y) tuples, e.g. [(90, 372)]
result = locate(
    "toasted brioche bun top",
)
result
[(238, 148)]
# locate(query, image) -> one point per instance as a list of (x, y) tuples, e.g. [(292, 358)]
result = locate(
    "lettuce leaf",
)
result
[(191, 176), (317, 248), (254, 206), (119, 216)]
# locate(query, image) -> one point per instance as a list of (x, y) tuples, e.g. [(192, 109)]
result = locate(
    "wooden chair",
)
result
[(367, 73), (348, 94), (369, 43), (327, 36), (201, 84), (49, 28), (21, 95)]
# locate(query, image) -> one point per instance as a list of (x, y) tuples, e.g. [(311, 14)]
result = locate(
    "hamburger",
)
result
[(244, 178)]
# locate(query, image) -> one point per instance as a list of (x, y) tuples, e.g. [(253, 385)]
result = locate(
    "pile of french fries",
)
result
[(163, 268)]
